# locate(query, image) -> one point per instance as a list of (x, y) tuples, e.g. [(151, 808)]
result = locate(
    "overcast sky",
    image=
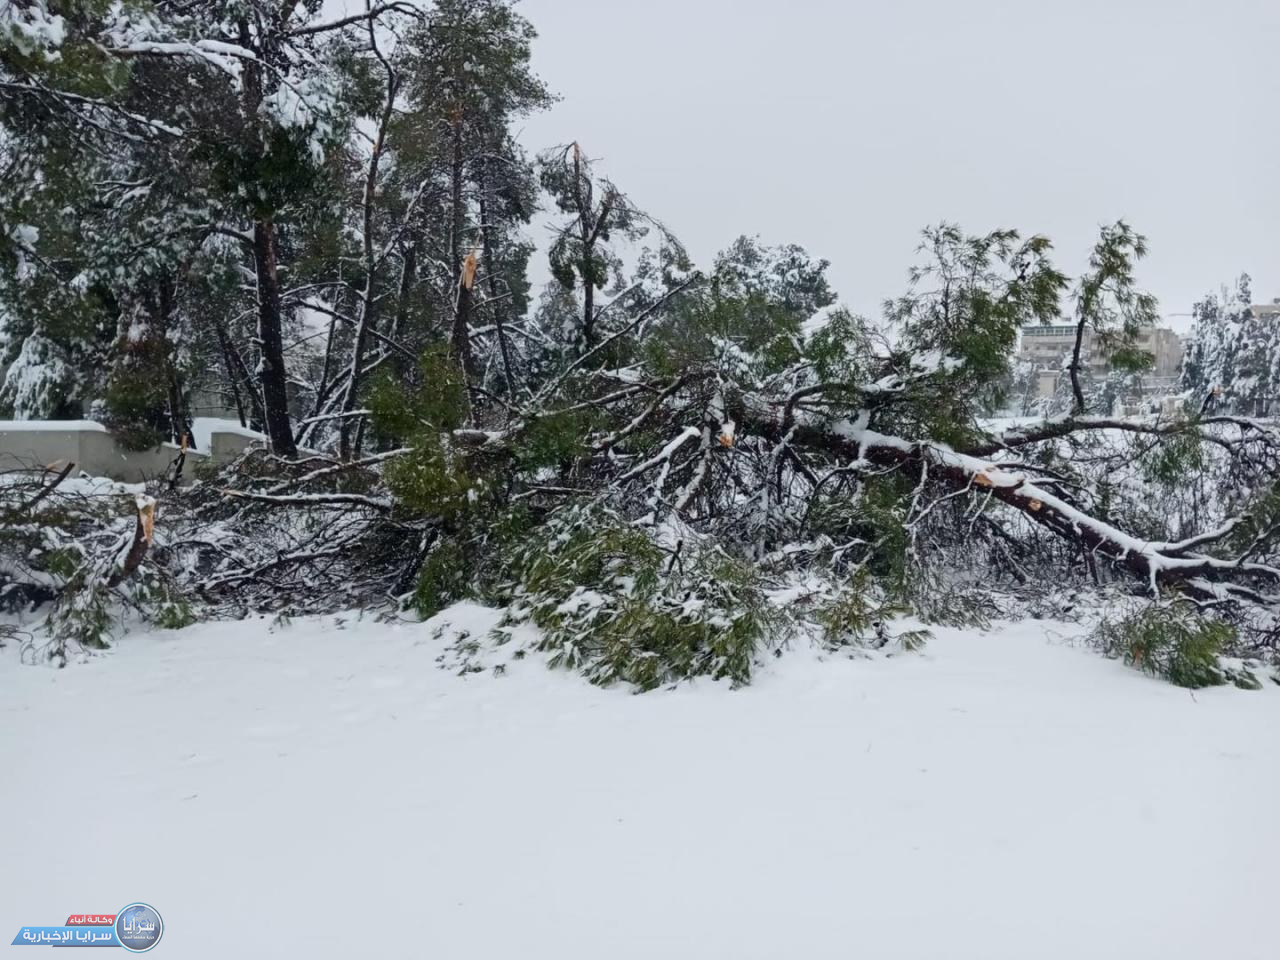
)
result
[(847, 126)]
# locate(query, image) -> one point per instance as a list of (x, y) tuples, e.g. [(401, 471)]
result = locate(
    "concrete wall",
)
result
[(93, 450)]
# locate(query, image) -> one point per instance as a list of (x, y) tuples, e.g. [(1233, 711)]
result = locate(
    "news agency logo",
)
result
[(137, 927)]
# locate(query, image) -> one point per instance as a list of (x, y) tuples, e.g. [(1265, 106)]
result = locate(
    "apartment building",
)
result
[(1050, 348)]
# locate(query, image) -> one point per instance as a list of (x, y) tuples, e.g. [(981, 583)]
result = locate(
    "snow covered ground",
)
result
[(324, 790)]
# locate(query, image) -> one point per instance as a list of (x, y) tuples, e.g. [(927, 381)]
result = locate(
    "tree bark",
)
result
[(143, 528), (179, 415), (1077, 407), (588, 231), (498, 309), (272, 376), (408, 277), (237, 376), (271, 370), (588, 307), (368, 301), (460, 340)]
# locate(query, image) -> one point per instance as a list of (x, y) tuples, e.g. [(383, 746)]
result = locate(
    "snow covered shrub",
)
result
[(1170, 640), (40, 383), (431, 480), (133, 410), (468, 558), (617, 605), (294, 536)]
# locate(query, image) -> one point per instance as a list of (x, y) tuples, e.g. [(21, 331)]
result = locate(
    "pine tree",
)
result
[(178, 125), (1232, 358), (583, 255), (471, 187)]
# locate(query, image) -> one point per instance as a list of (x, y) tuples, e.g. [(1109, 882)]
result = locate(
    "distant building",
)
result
[(1049, 349), (1266, 310)]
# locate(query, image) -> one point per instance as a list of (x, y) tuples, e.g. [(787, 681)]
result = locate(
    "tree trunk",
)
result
[(408, 277), (237, 376), (498, 306), (272, 377), (322, 386), (1078, 406), (143, 528), (460, 341), (368, 301), (179, 415), (271, 370), (588, 228), (588, 309)]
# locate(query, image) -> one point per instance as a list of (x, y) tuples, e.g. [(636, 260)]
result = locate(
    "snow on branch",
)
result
[(330, 500)]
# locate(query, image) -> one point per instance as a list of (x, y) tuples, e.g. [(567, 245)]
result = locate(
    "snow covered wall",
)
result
[(94, 450)]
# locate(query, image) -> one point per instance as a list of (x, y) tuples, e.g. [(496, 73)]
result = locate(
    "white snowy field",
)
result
[(324, 790)]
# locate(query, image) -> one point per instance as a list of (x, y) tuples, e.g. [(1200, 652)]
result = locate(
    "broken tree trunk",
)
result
[(143, 530)]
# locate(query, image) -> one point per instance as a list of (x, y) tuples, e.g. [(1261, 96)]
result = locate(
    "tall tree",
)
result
[(582, 254), (237, 101), (1231, 361), (468, 80)]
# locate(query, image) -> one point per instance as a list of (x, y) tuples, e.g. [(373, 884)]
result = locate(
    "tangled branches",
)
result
[(715, 472), (79, 545)]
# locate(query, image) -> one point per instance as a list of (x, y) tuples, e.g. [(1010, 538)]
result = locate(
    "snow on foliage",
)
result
[(1232, 359), (33, 29), (309, 105), (37, 383)]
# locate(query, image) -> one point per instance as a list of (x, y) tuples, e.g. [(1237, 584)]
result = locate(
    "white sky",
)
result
[(846, 127)]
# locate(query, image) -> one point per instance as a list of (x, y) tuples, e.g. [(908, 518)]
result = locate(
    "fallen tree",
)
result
[(710, 420), (733, 460)]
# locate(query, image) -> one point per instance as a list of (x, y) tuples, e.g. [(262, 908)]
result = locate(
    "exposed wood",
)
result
[(143, 532)]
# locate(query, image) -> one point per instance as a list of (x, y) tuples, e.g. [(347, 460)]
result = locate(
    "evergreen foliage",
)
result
[(612, 603), (1232, 362), (1169, 640), (69, 549)]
